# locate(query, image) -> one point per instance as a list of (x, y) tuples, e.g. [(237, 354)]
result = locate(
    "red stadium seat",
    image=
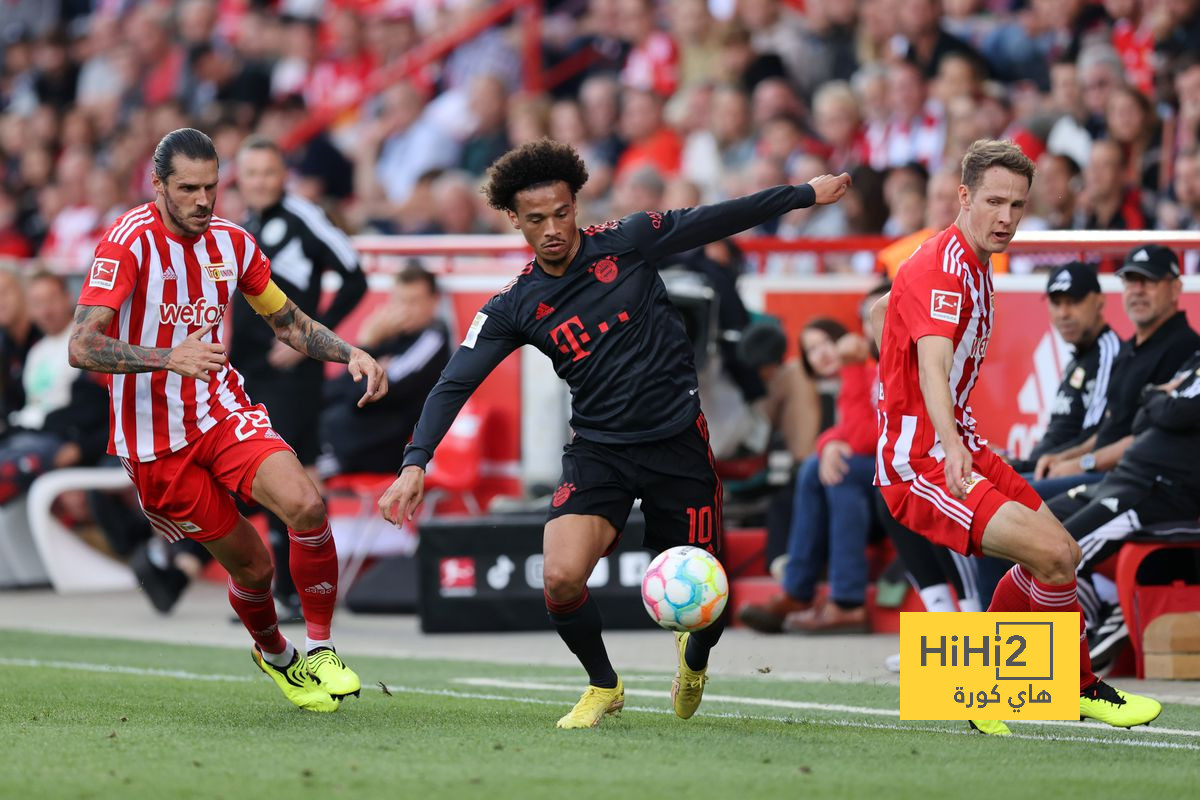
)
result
[(456, 468), (1142, 601)]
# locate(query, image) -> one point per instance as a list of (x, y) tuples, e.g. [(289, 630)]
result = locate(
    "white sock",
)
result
[(313, 644), (1105, 589), (969, 604), (279, 659), (938, 597)]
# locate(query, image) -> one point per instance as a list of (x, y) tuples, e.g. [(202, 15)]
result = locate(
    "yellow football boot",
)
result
[(296, 682), (593, 705), (688, 687)]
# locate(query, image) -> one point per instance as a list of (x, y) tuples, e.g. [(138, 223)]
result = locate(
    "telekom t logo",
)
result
[(564, 335), (571, 342)]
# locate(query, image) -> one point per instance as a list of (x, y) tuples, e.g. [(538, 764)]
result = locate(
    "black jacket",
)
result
[(302, 244)]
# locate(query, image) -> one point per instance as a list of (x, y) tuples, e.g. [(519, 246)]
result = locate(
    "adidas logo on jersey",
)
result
[(543, 311), (169, 273), (198, 313), (324, 587)]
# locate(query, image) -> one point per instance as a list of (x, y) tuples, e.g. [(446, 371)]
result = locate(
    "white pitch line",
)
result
[(500, 683), (218, 677), (838, 723), (122, 670)]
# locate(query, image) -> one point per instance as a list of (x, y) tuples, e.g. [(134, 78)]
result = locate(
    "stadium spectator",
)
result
[(17, 335), (650, 139), (1186, 126), (13, 243), (62, 421), (489, 134), (653, 60), (831, 513), (1132, 124), (412, 346), (697, 35), (925, 41), (776, 29), (838, 122), (600, 99), (741, 63), (1077, 313), (402, 144), (1109, 203), (913, 130), (820, 222), (1162, 341), (1053, 198), (1154, 482), (714, 155)]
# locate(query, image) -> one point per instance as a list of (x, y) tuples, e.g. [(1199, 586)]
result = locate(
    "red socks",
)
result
[(256, 609), (1019, 591), (314, 567)]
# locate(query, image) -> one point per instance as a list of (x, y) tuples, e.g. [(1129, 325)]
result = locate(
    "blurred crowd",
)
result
[(672, 102)]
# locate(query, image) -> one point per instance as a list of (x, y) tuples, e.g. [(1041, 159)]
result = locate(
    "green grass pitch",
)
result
[(94, 718)]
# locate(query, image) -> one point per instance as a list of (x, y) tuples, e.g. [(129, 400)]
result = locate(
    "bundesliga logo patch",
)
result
[(946, 306), (104, 273)]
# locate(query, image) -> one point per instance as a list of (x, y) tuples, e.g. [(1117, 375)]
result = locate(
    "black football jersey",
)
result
[(606, 324)]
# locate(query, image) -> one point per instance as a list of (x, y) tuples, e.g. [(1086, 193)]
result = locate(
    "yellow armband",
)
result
[(270, 301)]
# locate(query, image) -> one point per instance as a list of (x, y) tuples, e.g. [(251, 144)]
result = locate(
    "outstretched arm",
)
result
[(91, 348), (657, 235), (305, 335)]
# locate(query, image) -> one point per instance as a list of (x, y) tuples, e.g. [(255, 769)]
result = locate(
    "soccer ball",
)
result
[(684, 589)]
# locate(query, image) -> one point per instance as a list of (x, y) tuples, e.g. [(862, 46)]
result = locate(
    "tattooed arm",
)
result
[(91, 348), (305, 335)]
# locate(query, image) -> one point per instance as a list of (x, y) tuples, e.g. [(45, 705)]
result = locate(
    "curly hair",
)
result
[(533, 164)]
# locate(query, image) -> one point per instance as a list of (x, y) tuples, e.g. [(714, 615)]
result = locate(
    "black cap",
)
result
[(1076, 280), (1153, 261)]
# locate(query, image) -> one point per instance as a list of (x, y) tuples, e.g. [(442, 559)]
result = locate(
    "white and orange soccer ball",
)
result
[(685, 589)]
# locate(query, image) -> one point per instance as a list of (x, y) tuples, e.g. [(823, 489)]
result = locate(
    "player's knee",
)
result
[(561, 586), (1062, 554), (308, 512), (257, 574)]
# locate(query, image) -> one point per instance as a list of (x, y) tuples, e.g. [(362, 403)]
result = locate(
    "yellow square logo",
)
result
[(989, 665)]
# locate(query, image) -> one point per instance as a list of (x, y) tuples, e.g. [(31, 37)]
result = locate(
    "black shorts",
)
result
[(675, 479)]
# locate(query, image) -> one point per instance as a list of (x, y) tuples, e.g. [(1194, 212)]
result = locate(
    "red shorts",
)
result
[(187, 493), (925, 506)]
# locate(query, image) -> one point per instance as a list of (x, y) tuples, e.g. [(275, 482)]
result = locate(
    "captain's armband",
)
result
[(271, 300)]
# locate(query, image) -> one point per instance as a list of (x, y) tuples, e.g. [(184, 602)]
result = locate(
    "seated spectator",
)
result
[(1162, 341), (17, 335), (412, 346), (63, 421), (831, 513), (489, 135), (712, 155), (1155, 481), (926, 41)]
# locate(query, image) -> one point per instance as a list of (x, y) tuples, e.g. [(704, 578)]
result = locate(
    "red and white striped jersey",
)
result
[(163, 288), (942, 290)]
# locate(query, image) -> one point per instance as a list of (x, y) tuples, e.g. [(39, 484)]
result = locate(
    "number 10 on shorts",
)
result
[(700, 525)]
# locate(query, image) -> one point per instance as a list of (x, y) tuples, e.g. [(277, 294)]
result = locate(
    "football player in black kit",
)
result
[(593, 302)]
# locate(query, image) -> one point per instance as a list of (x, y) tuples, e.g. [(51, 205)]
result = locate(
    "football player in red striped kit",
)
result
[(936, 473), (181, 421)]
